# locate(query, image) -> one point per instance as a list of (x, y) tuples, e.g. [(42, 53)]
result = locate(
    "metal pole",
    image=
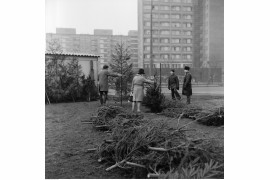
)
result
[(151, 41), (160, 76), (121, 78), (121, 84)]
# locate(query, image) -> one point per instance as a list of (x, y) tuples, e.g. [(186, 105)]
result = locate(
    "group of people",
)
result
[(137, 87)]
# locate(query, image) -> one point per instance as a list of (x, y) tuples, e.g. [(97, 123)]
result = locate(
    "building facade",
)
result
[(213, 33), (184, 32), (172, 33), (102, 42)]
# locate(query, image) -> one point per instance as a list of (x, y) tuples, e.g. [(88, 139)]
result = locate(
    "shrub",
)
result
[(154, 98)]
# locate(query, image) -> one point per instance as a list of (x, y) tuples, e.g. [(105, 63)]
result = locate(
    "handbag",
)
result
[(130, 98)]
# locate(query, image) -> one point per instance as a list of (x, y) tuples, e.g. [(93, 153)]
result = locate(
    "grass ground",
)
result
[(67, 139)]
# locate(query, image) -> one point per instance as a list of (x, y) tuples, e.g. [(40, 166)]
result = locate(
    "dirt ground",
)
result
[(67, 139)]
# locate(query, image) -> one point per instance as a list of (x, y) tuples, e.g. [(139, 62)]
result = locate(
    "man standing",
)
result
[(187, 89), (103, 83), (173, 85)]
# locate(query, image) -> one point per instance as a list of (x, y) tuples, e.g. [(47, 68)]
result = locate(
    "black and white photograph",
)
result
[(134, 89)]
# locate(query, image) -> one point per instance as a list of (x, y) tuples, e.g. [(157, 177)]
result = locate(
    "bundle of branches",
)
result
[(127, 119), (105, 115), (214, 118), (111, 116), (209, 117), (154, 147)]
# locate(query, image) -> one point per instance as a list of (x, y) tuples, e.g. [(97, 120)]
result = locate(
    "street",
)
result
[(200, 90)]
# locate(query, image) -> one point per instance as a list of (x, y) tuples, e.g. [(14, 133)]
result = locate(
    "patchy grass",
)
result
[(67, 139)]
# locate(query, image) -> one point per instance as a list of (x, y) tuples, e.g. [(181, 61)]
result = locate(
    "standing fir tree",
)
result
[(120, 64)]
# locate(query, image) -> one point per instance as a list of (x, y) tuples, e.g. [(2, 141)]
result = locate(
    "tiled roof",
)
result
[(73, 54)]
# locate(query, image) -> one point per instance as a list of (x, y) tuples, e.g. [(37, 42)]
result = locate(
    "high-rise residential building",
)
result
[(184, 32), (65, 31), (172, 33), (133, 43), (102, 43), (213, 33)]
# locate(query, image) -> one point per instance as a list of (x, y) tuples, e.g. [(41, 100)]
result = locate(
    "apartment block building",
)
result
[(102, 43), (172, 33), (213, 33), (184, 32)]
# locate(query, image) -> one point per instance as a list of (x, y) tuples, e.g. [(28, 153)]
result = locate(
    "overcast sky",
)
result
[(87, 15)]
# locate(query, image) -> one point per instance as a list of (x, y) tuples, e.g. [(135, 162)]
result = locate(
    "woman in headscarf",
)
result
[(137, 88)]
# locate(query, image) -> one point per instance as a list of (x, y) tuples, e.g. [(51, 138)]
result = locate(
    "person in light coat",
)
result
[(103, 84), (137, 88)]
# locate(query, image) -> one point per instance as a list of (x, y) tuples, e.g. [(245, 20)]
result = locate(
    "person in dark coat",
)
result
[(173, 85), (103, 84), (187, 89)]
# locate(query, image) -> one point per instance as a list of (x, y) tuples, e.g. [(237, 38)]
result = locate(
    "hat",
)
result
[(105, 66), (186, 68), (172, 70), (141, 71)]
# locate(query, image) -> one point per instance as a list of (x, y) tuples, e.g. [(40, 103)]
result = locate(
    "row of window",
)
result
[(167, 40), (167, 56), (174, 1), (174, 65), (168, 32), (168, 48), (168, 8), (168, 24), (168, 16)]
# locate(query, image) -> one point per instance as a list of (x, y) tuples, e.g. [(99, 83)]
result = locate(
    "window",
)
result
[(147, 48), (156, 56), (155, 32), (189, 1), (155, 48), (146, 66), (188, 9), (147, 7), (164, 56), (146, 31), (164, 32), (164, 48), (155, 24), (176, 48), (146, 39), (165, 24), (164, 0), (155, 16), (175, 40), (187, 16), (176, 24), (176, 1), (188, 56), (146, 23), (188, 33), (176, 32), (176, 8), (155, 7), (146, 15), (164, 8), (176, 56), (164, 16), (175, 16), (147, 56), (188, 48), (188, 41), (164, 40), (155, 40)]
